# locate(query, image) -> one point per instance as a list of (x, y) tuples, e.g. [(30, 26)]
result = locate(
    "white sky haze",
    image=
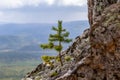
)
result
[(39, 11)]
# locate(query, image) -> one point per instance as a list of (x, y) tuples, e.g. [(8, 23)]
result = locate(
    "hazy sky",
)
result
[(42, 11)]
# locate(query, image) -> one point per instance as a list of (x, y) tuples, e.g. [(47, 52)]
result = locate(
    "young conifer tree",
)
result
[(56, 40)]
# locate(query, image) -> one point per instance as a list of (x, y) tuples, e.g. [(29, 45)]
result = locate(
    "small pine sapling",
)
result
[(56, 40)]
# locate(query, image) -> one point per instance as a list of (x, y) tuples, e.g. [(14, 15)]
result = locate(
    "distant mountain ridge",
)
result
[(21, 41), (19, 36), (17, 29)]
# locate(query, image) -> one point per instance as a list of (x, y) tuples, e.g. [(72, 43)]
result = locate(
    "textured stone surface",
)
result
[(104, 60), (96, 7)]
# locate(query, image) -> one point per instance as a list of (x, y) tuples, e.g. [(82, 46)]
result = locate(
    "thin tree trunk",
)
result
[(60, 55), (60, 58)]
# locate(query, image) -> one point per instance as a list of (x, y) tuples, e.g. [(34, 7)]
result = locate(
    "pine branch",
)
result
[(54, 28), (54, 36), (67, 40), (58, 48), (66, 34), (53, 39), (50, 45)]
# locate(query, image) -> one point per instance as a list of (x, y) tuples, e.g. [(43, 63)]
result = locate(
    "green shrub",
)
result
[(68, 58), (48, 60), (57, 59), (53, 74)]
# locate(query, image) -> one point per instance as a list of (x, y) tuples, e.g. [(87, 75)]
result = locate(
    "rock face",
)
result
[(96, 7), (95, 54)]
